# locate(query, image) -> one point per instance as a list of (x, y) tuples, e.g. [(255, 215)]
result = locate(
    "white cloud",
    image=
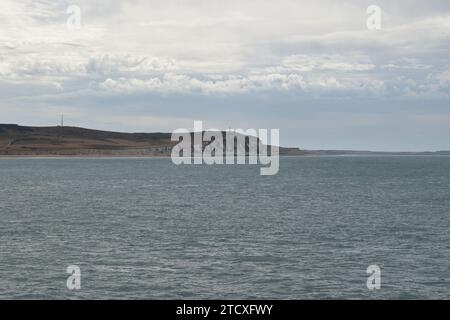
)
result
[(215, 47), (326, 62), (175, 83)]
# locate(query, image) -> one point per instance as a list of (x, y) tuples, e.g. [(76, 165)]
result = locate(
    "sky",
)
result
[(312, 69)]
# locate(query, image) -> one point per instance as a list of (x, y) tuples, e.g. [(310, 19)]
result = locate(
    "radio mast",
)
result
[(60, 133)]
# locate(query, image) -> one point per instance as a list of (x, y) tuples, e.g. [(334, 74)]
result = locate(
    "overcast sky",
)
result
[(310, 68)]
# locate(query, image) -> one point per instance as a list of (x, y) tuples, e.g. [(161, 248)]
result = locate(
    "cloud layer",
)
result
[(251, 52)]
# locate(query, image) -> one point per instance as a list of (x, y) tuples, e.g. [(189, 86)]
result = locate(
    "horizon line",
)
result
[(160, 132)]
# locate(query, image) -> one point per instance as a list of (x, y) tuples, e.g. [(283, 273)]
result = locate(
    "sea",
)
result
[(144, 228)]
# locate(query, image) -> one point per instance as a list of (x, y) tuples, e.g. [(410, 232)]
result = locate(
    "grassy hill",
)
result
[(21, 140), (74, 141)]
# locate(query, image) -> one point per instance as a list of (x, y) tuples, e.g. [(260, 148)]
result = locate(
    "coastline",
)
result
[(73, 142), (165, 156)]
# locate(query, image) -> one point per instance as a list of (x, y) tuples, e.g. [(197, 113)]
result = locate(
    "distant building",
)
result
[(161, 149)]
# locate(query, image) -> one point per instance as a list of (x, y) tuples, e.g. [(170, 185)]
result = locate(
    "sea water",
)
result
[(144, 228)]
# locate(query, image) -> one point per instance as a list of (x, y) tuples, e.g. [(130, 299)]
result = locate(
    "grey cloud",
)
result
[(250, 58)]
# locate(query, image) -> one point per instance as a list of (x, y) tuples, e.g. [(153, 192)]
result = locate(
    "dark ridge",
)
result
[(14, 128), (73, 141)]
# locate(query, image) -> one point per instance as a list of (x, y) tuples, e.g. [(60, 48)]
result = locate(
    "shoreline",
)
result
[(312, 155)]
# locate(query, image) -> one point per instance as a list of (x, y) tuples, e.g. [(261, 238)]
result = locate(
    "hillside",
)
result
[(73, 141), (18, 140)]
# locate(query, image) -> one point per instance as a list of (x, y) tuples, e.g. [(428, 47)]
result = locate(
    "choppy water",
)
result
[(144, 228)]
